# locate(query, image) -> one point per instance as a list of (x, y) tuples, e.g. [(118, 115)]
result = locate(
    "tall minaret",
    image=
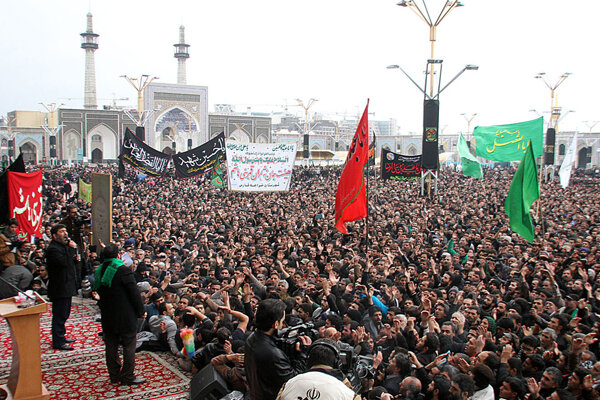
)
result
[(181, 54), (89, 42)]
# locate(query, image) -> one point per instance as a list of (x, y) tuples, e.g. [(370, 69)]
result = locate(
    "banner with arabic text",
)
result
[(509, 142), (25, 202), (137, 153), (85, 191), (200, 160), (399, 167), (260, 167)]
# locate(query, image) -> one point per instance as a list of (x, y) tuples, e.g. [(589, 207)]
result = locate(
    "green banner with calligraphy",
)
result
[(509, 142)]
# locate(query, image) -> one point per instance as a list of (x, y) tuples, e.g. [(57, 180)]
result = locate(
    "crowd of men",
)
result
[(442, 301)]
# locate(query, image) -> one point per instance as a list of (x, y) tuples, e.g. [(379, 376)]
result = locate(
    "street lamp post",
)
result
[(469, 119), (430, 148), (555, 111), (139, 85), (51, 127), (306, 142)]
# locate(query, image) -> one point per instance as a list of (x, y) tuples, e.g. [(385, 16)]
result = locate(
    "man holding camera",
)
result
[(323, 380), (267, 366), (8, 242)]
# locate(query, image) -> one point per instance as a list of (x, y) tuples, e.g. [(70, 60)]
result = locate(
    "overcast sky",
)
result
[(266, 53)]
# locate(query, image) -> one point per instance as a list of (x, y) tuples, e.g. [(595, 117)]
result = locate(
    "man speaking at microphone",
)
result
[(61, 256)]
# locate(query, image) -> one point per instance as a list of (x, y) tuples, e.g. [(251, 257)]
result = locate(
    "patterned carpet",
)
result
[(81, 374)]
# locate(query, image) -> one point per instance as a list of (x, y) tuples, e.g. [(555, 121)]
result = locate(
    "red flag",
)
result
[(351, 196), (25, 202)]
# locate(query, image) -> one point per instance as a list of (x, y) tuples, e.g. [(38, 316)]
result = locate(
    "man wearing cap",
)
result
[(323, 380), (62, 283)]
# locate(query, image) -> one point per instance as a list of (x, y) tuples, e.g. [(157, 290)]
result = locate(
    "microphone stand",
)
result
[(17, 289)]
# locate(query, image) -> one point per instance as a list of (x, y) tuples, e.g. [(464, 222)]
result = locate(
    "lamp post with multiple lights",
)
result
[(430, 146), (469, 119), (139, 85), (306, 143), (555, 111)]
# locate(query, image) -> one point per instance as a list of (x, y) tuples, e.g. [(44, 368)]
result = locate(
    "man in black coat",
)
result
[(120, 305), (267, 366), (62, 283)]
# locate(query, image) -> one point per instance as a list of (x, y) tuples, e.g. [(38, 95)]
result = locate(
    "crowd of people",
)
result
[(441, 301)]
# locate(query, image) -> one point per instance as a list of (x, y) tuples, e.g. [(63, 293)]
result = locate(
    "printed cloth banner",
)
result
[(509, 142), (25, 202), (148, 160), (85, 191), (200, 160), (399, 167), (260, 167)]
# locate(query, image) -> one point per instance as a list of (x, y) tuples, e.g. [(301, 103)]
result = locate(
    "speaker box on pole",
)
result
[(305, 153), (431, 116), (550, 143), (140, 133), (208, 385)]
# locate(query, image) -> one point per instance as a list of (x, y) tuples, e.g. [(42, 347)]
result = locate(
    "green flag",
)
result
[(509, 142), (524, 190), (85, 191), (217, 177), (470, 164)]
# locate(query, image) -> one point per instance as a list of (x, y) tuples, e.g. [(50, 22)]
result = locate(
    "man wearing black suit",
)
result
[(120, 305), (62, 283)]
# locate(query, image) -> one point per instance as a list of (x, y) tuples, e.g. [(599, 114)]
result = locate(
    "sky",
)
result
[(267, 53)]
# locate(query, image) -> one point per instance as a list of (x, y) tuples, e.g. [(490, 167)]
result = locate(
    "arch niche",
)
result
[(104, 139), (29, 151), (71, 142)]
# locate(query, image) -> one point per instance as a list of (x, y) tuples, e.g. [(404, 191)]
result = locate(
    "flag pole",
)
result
[(367, 195)]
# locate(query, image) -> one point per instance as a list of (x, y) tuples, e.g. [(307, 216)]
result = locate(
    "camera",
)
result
[(287, 338), (82, 219), (15, 244)]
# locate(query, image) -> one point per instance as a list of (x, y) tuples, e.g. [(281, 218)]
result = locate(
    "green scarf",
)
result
[(112, 265)]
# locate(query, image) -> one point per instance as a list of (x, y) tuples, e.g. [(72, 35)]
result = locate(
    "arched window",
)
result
[(96, 139), (561, 150)]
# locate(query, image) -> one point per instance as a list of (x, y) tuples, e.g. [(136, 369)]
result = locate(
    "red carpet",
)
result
[(81, 374)]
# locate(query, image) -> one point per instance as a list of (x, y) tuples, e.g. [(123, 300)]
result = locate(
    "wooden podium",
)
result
[(25, 380)]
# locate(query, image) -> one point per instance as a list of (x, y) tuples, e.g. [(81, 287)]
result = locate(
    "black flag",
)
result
[(148, 160), (17, 166)]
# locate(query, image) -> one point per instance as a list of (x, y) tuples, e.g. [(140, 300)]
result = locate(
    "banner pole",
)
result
[(367, 218)]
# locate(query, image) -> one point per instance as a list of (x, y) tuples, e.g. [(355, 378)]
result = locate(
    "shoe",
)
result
[(63, 347), (135, 381), (70, 340), (114, 381)]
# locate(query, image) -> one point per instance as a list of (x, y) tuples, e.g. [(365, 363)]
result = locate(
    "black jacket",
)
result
[(62, 276), (120, 304), (267, 366)]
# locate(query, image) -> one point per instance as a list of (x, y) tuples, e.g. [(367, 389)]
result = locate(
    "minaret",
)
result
[(89, 42), (181, 54)]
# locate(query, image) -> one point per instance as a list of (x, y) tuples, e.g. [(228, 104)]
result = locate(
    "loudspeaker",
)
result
[(550, 143), (140, 133), (11, 148), (174, 145), (431, 115), (189, 144), (52, 140), (53, 153), (208, 385), (305, 153)]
